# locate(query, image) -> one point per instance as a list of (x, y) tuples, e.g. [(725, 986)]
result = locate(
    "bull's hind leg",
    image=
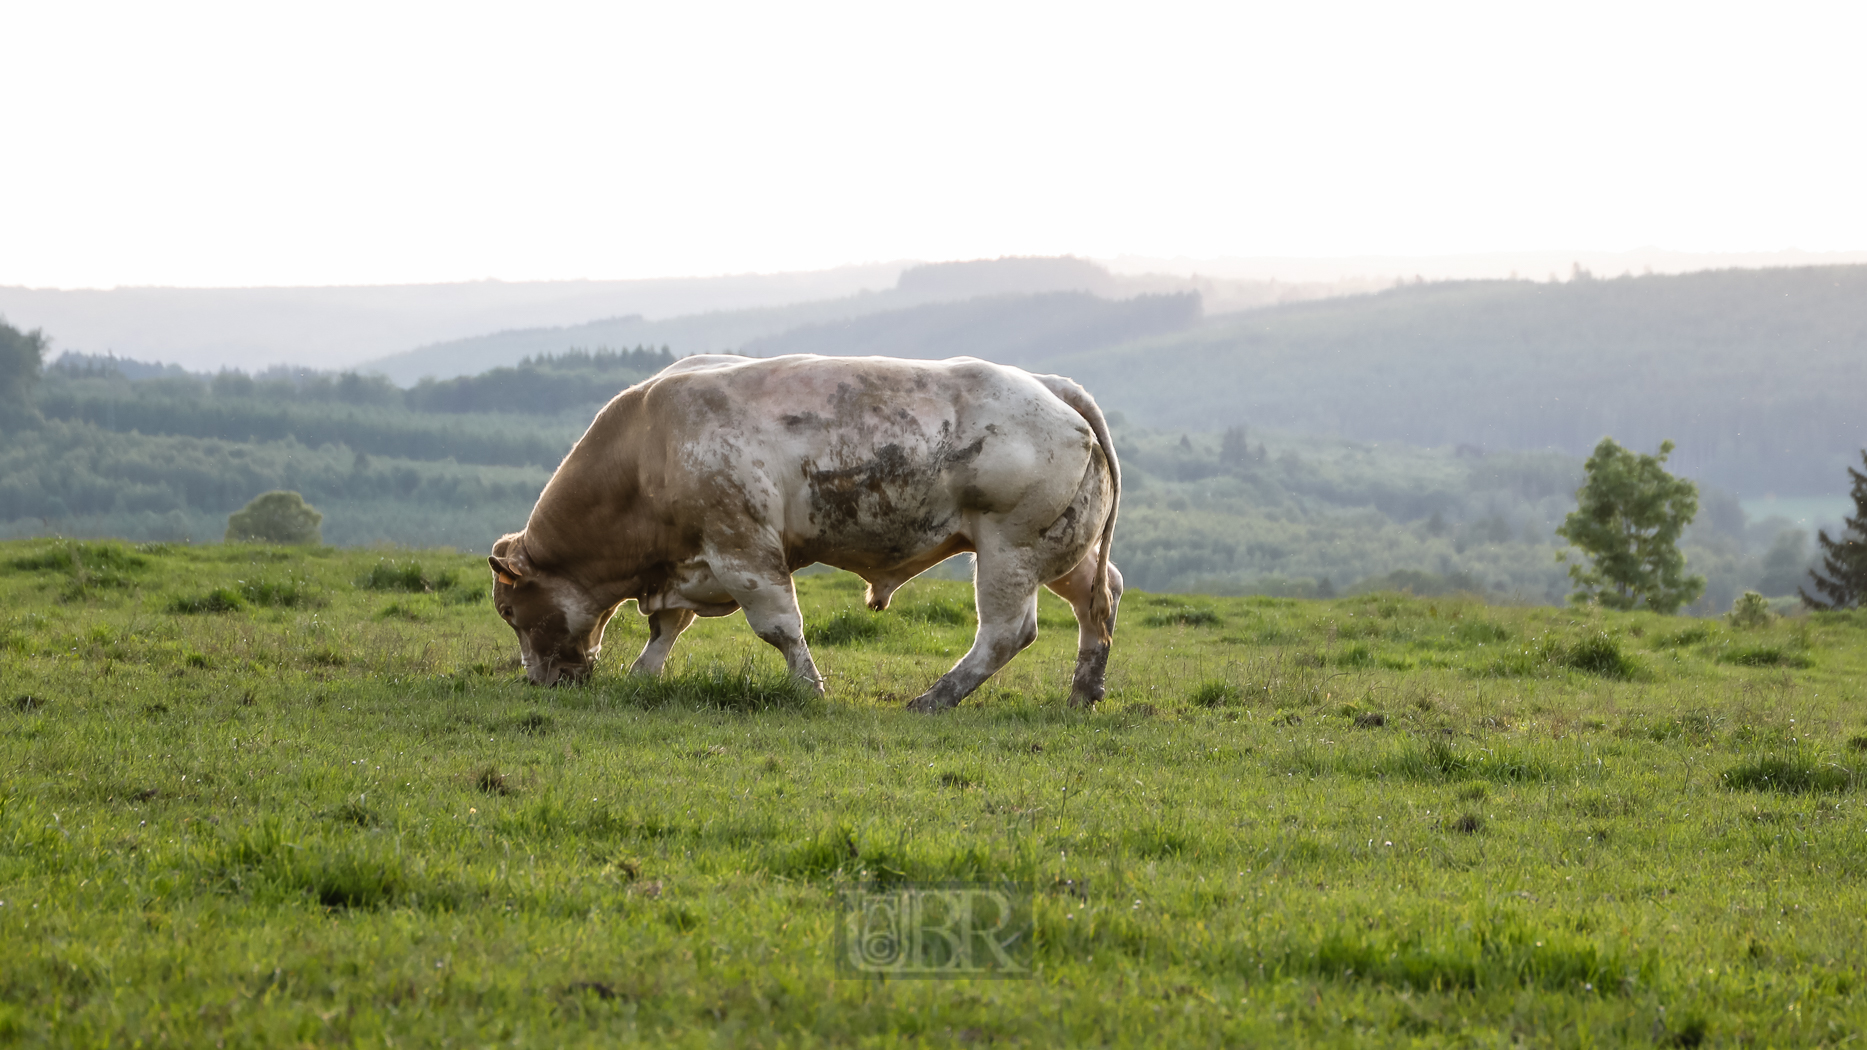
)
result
[(1092, 653), (664, 626), (1005, 586)]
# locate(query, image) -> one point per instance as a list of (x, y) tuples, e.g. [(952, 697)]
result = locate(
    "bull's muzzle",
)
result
[(550, 674)]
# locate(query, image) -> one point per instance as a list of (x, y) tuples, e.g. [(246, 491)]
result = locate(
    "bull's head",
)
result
[(559, 624)]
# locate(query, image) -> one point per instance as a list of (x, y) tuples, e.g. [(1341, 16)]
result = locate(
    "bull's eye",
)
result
[(506, 612)]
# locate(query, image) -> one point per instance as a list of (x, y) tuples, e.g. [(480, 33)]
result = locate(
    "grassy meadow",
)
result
[(258, 797)]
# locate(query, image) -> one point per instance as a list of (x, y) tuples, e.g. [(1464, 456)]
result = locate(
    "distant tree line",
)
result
[(1754, 373), (542, 384)]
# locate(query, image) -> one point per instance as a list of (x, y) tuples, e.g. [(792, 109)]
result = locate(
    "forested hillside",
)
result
[(1756, 374), (169, 456), (1010, 329), (90, 451), (1047, 305)]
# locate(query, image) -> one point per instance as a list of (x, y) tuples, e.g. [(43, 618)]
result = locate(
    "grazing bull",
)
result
[(701, 489)]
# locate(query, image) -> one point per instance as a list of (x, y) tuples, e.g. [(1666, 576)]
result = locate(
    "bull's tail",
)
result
[(1101, 603)]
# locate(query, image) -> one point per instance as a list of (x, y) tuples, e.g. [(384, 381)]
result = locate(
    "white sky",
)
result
[(276, 143)]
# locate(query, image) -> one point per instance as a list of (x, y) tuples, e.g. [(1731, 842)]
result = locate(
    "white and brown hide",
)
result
[(700, 490)]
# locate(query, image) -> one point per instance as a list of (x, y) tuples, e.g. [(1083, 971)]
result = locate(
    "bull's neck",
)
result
[(585, 524)]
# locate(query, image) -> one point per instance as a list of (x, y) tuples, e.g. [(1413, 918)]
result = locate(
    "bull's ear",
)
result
[(508, 559), (504, 572)]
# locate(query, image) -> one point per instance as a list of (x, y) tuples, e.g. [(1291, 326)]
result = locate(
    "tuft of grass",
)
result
[(1439, 760), (716, 685), (939, 612), (1763, 656), (1480, 632), (490, 780), (326, 656), (418, 610), (1183, 616), (1469, 824), (292, 592), (1690, 1033), (828, 852), (1601, 655), (1793, 774), (1689, 636), (1502, 952), (848, 627), (1354, 656), (1215, 693), (218, 600), (87, 566), (408, 576), (355, 812), (262, 862)]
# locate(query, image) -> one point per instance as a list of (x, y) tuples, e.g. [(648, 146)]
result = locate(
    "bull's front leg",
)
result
[(770, 604), (664, 626)]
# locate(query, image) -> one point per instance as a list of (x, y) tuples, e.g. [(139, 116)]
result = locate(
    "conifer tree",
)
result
[(1844, 558)]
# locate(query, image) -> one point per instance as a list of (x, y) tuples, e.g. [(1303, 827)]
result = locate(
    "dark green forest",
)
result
[(91, 451), (169, 456)]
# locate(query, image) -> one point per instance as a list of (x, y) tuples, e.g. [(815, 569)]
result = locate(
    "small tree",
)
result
[(1628, 518), (276, 517), (1234, 450), (1844, 559), (21, 356)]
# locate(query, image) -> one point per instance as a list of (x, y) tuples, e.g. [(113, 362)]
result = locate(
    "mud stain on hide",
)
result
[(838, 493)]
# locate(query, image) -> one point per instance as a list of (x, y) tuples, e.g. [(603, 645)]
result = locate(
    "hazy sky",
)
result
[(278, 143)]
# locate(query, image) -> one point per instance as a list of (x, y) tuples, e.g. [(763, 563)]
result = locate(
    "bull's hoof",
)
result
[(927, 703), (1085, 699)]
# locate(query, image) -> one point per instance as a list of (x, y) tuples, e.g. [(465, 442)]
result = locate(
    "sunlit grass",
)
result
[(1378, 820)]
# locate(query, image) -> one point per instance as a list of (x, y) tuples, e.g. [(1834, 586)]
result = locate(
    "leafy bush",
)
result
[(275, 517), (1750, 610)]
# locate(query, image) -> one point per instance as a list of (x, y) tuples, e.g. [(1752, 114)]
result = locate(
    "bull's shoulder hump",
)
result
[(704, 363)]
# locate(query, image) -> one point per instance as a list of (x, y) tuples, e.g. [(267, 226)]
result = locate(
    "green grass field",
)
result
[(262, 798)]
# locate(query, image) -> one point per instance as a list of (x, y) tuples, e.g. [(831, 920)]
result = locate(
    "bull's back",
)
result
[(884, 452)]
